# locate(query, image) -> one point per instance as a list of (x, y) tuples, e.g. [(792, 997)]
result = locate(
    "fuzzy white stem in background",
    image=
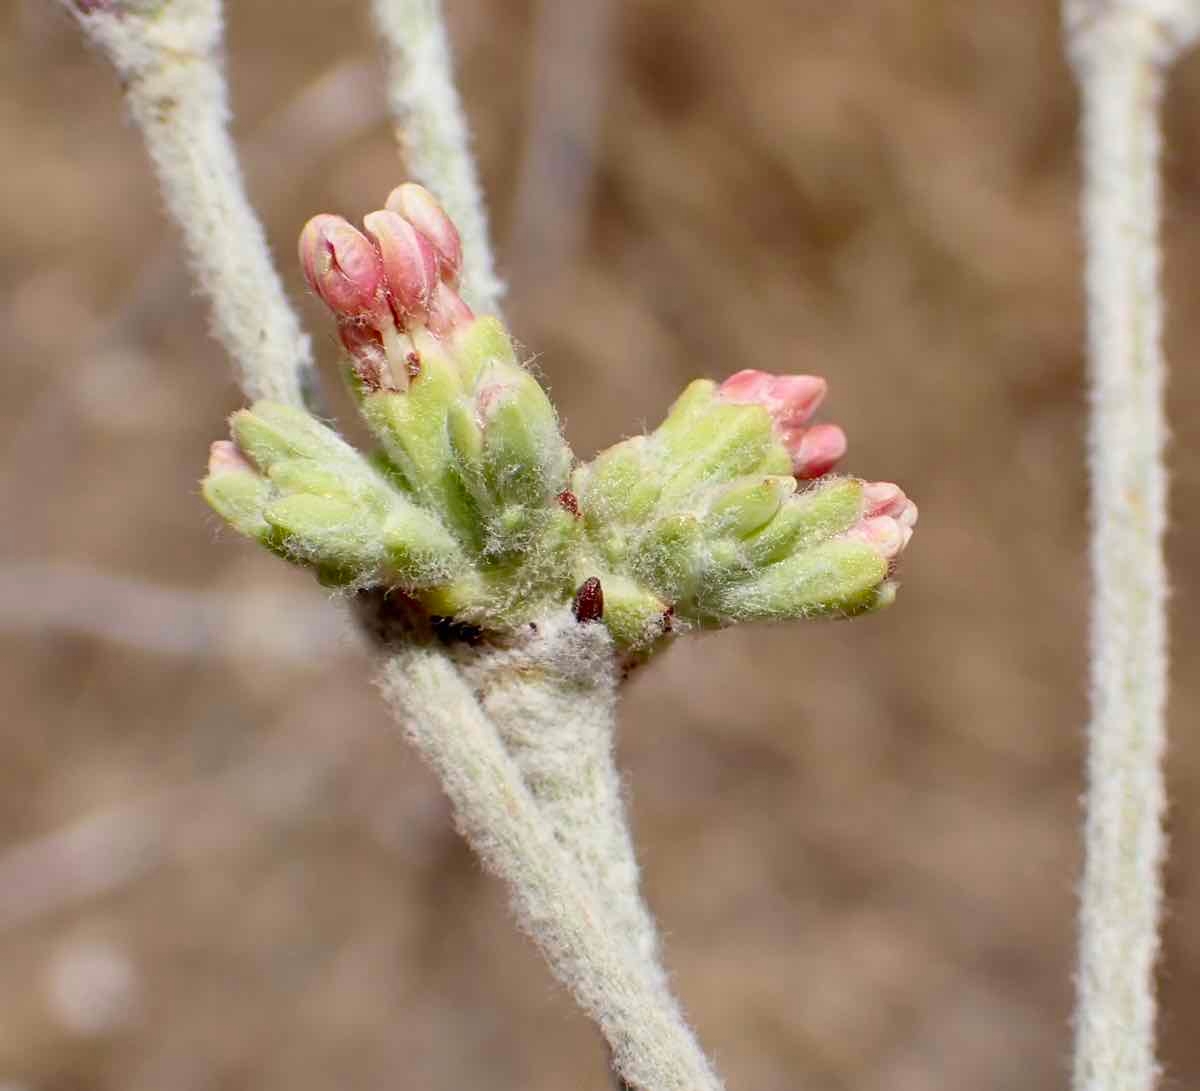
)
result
[(167, 54), (1121, 49), (432, 130), (572, 66), (552, 697), (652, 1047)]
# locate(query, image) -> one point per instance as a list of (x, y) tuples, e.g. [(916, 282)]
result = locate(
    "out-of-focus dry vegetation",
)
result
[(220, 867)]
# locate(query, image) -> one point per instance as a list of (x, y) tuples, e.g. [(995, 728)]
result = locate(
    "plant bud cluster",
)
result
[(474, 508)]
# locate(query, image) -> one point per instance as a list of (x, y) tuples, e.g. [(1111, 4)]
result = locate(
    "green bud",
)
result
[(698, 399), (725, 443), (300, 475), (635, 617), (524, 457), (466, 438), (619, 486), (269, 432), (747, 505), (469, 506), (667, 556), (419, 551), (328, 532), (559, 539), (351, 542), (837, 577), (240, 498), (478, 345), (512, 529), (411, 424), (819, 513)]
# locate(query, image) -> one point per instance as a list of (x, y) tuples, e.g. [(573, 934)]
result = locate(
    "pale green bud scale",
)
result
[(240, 498)]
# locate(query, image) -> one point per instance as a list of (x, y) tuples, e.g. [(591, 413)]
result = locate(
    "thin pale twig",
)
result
[(435, 140), (1121, 49), (652, 1046), (169, 61), (572, 60)]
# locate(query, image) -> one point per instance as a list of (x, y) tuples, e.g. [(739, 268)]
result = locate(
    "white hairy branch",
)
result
[(652, 1047), (167, 54), (552, 698), (1121, 49), (572, 66), (432, 130)]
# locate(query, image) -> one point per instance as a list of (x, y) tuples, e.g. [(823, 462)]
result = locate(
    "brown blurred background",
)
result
[(219, 866)]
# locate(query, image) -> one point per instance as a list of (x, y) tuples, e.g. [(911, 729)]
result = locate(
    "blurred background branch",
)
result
[(572, 65), (175, 88), (434, 137), (1121, 50)]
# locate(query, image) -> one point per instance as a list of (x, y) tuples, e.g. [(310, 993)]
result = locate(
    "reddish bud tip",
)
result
[(884, 533), (884, 498), (790, 399), (447, 311), (365, 348), (342, 267), (410, 262), (815, 451), (419, 207), (888, 519), (225, 458)]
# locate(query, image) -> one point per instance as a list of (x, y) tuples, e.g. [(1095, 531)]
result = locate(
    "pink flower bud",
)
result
[(447, 311), (419, 207), (816, 450), (343, 268), (884, 498), (883, 533), (225, 458), (410, 262), (887, 521), (791, 400), (365, 347)]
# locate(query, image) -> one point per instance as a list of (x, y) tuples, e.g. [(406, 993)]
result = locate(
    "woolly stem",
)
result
[(1121, 51), (652, 1048), (552, 697), (570, 866), (432, 131), (167, 54)]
